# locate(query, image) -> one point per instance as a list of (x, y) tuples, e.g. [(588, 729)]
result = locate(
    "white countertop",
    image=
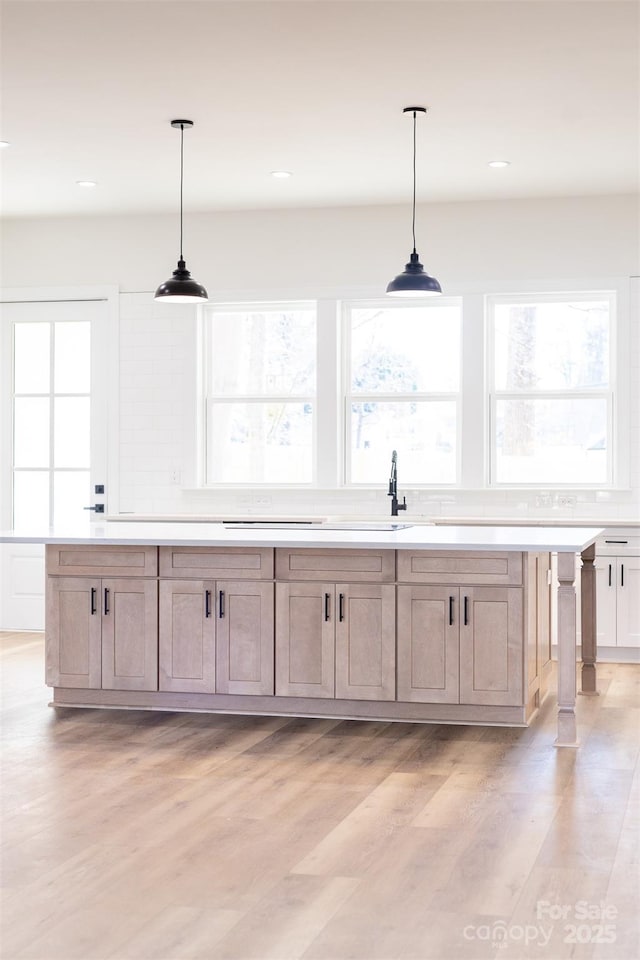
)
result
[(419, 537)]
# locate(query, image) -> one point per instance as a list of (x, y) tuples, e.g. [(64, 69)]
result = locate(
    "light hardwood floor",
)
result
[(131, 834)]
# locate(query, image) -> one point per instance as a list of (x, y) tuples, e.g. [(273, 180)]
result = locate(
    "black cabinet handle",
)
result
[(106, 600), (609, 574), (327, 600), (93, 600), (616, 541), (451, 601), (341, 607), (466, 611), (207, 603), (221, 610), (622, 574)]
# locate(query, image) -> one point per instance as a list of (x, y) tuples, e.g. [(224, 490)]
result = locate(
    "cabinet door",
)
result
[(129, 634), (628, 601), (428, 644), (187, 650), (73, 632), (365, 641), (606, 600), (491, 646), (305, 639), (244, 637)]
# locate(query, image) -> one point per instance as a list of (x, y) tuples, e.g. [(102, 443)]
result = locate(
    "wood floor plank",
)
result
[(135, 835)]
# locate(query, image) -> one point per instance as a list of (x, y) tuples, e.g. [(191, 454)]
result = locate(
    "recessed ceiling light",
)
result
[(4, 143), (86, 183), (281, 174), (499, 163)]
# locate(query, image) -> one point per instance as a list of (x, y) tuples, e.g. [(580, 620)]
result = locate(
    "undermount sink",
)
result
[(314, 526)]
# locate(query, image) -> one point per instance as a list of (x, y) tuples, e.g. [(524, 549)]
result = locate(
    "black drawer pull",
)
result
[(221, 604), (616, 541), (609, 574), (93, 600), (207, 603), (341, 607), (106, 600), (622, 574), (451, 602), (466, 611), (327, 601)]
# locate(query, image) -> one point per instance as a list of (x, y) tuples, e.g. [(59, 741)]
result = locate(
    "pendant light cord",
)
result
[(413, 222), (181, 179)]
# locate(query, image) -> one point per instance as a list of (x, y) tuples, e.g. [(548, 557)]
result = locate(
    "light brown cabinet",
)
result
[(102, 633), (427, 635), (428, 644), (216, 636), (305, 639), (491, 650), (335, 640), (460, 645)]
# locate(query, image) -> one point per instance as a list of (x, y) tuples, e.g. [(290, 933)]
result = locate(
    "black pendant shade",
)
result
[(181, 287), (414, 281)]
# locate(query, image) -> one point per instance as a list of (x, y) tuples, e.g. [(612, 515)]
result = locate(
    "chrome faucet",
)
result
[(393, 487)]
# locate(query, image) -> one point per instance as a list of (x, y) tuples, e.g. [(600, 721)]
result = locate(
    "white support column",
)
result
[(567, 733)]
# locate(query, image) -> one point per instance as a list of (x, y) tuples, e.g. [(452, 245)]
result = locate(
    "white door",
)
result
[(54, 436)]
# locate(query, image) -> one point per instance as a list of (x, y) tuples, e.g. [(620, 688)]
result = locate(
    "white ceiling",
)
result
[(316, 87)]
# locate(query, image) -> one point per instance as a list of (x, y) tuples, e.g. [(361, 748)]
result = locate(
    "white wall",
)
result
[(499, 246)]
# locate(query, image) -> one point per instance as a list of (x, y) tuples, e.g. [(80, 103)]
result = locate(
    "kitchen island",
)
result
[(428, 624)]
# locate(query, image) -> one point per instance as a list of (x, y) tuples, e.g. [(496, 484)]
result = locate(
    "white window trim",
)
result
[(617, 459), (207, 397), (347, 397), (475, 432)]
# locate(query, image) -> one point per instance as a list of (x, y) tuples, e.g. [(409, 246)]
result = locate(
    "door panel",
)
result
[(244, 637), (428, 644), (187, 636), (305, 639), (129, 634), (73, 632), (365, 641), (491, 653)]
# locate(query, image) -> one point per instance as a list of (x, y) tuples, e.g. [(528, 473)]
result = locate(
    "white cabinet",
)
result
[(618, 593), (618, 601)]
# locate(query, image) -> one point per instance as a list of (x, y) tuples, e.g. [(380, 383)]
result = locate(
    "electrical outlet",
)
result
[(175, 476), (566, 500), (544, 500)]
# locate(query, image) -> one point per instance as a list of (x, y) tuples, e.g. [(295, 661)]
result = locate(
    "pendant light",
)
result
[(181, 288), (413, 281)]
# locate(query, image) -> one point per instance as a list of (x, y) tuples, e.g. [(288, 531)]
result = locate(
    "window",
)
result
[(402, 391), (260, 393), (320, 393), (551, 395)]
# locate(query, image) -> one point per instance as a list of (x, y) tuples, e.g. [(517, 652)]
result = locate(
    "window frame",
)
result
[(348, 398), (209, 398), (475, 425), (609, 394)]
